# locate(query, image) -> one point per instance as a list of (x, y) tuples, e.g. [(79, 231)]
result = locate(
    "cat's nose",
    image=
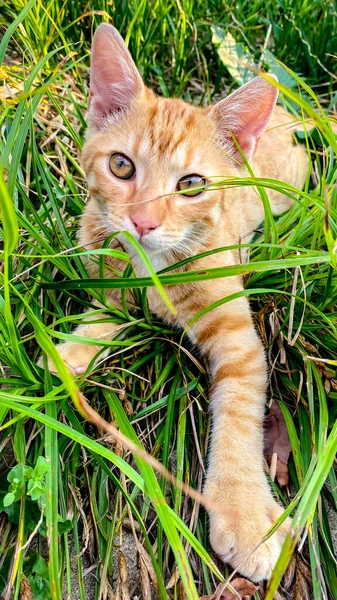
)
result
[(144, 226)]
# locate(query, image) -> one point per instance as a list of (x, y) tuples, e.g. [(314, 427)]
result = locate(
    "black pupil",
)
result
[(121, 162)]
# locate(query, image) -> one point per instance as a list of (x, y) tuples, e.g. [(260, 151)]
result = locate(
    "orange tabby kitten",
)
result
[(139, 150)]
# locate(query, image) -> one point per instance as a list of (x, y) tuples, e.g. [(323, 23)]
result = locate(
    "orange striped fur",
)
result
[(167, 139)]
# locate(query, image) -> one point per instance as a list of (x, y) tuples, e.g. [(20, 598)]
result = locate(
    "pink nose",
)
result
[(143, 226)]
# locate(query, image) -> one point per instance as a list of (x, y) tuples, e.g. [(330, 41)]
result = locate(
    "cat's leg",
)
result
[(235, 476), (78, 355)]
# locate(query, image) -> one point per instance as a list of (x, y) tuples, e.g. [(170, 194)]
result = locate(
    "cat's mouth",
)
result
[(148, 243), (157, 241), (155, 244)]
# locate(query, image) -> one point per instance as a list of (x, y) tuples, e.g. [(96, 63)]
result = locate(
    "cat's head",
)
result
[(141, 149)]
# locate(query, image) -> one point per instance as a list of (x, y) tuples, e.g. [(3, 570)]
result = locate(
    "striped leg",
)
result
[(235, 476)]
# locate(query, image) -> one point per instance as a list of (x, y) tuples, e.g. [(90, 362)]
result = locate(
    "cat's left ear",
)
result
[(114, 77), (245, 113)]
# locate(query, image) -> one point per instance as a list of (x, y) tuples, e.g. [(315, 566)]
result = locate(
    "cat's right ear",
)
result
[(114, 78)]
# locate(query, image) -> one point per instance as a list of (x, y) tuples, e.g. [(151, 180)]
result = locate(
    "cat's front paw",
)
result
[(76, 356), (236, 537)]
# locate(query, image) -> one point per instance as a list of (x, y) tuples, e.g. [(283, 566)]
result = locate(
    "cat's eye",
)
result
[(121, 166), (191, 185)]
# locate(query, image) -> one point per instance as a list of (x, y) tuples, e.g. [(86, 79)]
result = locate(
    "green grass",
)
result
[(152, 389)]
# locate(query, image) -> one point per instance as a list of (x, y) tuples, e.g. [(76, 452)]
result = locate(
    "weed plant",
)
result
[(64, 481)]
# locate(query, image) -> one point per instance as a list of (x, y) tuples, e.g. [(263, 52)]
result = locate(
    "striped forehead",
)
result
[(165, 133)]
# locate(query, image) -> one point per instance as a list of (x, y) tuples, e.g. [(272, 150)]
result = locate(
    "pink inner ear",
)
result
[(252, 126), (246, 113), (114, 79)]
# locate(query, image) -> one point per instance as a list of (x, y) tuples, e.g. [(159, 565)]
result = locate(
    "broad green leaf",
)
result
[(233, 55), (8, 219)]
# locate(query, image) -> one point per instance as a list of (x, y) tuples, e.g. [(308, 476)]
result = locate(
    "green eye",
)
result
[(191, 185), (121, 166)]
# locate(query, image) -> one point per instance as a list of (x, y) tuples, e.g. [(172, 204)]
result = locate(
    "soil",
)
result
[(89, 575)]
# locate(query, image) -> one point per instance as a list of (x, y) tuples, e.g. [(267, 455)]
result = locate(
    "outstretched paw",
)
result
[(237, 538)]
